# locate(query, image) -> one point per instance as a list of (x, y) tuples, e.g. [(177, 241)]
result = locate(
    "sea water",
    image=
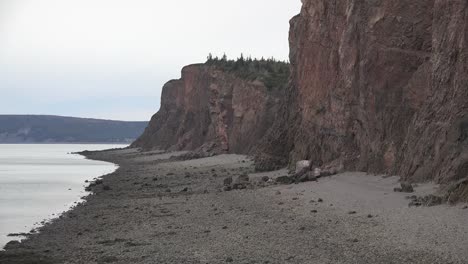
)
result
[(40, 181)]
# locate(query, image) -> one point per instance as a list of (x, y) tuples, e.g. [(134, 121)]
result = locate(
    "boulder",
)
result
[(301, 165), (238, 186), (227, 181), (306, 177), (406, 187), (243, 178), (284, 180), (317, 172)]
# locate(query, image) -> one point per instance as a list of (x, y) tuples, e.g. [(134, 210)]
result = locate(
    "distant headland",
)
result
[(59, 129)]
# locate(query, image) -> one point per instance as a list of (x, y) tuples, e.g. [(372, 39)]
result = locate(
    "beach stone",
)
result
[(309, 176), (284, 180), (227, 181), (406, 187), (428, 200), (265, 178), (326, 173), (414, 203), (99, 181), (432, 200), (317, 172), (301, 165), (238, 186), (243, 178)]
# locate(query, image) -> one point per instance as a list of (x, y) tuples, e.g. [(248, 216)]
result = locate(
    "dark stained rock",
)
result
[(243, 178), (406, 187), (227, 181), (306, 177), (284, 180), (238, 186), (428, 200)]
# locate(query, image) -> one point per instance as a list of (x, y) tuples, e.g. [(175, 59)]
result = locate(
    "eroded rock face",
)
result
[(212, 111), (381, 85)]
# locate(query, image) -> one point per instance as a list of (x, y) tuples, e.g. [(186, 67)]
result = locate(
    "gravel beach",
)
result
[(158, 209)]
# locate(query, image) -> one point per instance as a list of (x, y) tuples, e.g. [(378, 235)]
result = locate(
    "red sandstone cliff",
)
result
[(380, 85), (212, 110)]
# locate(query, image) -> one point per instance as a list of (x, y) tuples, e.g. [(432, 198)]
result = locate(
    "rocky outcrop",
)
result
[(210, 110), (380, 85)]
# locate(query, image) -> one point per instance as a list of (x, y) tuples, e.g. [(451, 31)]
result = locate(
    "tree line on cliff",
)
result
[(273, 73)]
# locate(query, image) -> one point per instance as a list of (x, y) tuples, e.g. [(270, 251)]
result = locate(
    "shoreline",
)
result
[(44, 187), (157, 210)]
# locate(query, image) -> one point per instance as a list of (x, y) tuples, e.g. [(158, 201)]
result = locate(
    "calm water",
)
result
[(39, 182)]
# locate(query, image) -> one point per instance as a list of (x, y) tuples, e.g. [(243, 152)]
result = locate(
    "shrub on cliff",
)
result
[(274, 74)]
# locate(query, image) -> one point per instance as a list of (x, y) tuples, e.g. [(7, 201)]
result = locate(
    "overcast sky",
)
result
[(110, 58)]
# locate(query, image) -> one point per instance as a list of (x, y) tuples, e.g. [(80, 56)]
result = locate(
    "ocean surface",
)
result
[(40, 181)]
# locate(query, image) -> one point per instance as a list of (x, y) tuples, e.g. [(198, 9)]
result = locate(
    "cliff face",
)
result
[(380, 85), (212, 110)]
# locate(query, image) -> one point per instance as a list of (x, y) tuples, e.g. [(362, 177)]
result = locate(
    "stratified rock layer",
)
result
[(210, 110), (380, 85)]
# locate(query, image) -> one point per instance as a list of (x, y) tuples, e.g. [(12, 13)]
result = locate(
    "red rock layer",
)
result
[(210, 110), (381, 85)]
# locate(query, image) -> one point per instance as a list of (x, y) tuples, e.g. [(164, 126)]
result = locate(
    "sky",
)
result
[(110, 58)]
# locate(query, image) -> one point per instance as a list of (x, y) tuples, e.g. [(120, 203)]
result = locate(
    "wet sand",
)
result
[(156, 210)]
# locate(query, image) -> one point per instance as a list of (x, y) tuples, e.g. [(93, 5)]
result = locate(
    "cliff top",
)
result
[(273, 73)]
